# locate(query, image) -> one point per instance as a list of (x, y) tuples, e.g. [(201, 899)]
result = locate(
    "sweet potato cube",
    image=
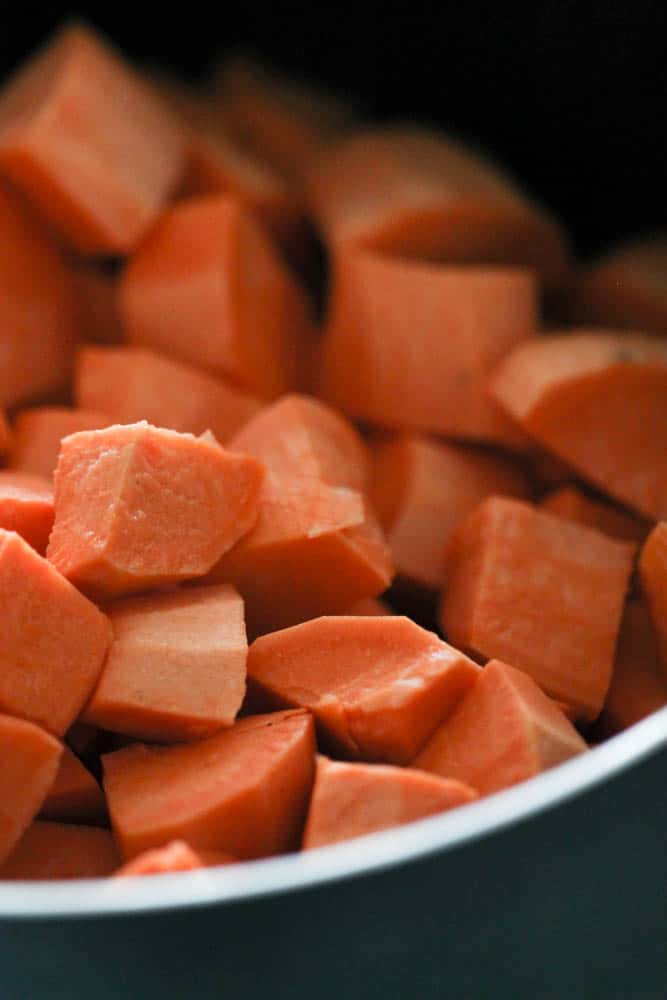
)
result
[(409, 346), (53, 639), (350, 800), (206, 286), (139, 506), (88, 143), (377, 687), (26, 506), (638, 684), (590, 396), (38, 317), (244, 791), (422, 488), (30, 758), (569, 502), (504, 731), (49, 851), (301, 436), (133, 383), (39, 430), (314, 550), (176, 667), (541, 592)]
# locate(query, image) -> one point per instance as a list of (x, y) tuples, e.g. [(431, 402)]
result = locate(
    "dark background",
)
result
[(570, 95)]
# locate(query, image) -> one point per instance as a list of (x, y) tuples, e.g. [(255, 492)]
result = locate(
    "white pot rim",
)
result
[(365, 855)]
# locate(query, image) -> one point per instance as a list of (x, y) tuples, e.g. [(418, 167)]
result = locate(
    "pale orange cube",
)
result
[(139, 506), (87, 141), (26, 506), (134, 383), (351, 800), (176, 667), (52, 643), (503, 732), (378, 687), (50, 851), (39, 430), (207, 286), (30, 758), (74, 796)]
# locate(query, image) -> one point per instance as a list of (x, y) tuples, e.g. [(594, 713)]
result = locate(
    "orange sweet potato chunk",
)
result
[(314, 550), (626, 288), (39, 430), (422, 488), (504, 731), (176, 856), (206, 286), (569, 502), (30, 758), (409, 346), (589, 396), (176, 667), (61, 851), (74, 796), (38, 317), (350, 800), (301, 436), (139, 506), (88, 143), (638, 685), (541, 592), (26, 506), (369, 607), (377, 687), (53, 639), (244, 791), (414, 193), (653, 577), (134, 383)]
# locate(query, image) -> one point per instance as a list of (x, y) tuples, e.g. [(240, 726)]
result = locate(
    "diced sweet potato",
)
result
[(626, 288), (653, 577), (52, 643), (30, 758), (409, 346), (414, 193), (377, 687), (314, 550), (207, 287), (61, 851), (301, 436), (590, 396), (38, 319), (638, 685), (139, 506), (504, 731), (569, 502), (5, 434), (541, 592), (133, 383), (38, 432), (26, 506), (350, 800), (176, 667), (88, 143), (176, 856), (421, 489), (74, 796), (244, 791), (368, 607)]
